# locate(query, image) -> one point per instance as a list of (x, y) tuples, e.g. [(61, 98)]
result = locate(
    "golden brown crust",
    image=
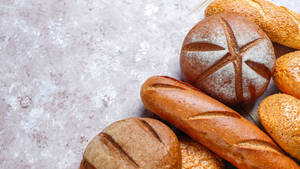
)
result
[(134, 143), (281, 24), (224, 131), (196, 156), (287, 74), (280, 116)]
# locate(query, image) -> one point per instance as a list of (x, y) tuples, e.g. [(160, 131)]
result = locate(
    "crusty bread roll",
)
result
[(229, 58), (134, 143), (281, 24), (280, 116), (196, 156), (287, 74), (213, 124)]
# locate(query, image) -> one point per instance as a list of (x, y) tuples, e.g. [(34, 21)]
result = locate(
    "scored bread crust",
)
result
[(280, 24), (134, 143), (229, 58), (213, 124)]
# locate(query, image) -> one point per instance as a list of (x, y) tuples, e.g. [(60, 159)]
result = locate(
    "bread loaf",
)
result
[(213, 124), (280, 116), (281, 24), (229, 58), (134, 143), (287, 74)]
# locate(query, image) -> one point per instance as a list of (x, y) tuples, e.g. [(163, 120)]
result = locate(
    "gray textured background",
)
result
[(69, 68)]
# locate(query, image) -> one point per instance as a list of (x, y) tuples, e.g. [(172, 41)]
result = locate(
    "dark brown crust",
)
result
[(237, 62), (259, 68), (220, 129), (202, 46), (234, 55), (113, 146)]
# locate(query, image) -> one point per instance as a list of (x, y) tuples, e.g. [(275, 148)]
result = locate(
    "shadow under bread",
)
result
[(281, 50)]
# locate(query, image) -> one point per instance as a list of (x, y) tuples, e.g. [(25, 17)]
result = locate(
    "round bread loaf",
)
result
[(134, 143), (229, 58), (280, 116), (196, 156), (287, 73)]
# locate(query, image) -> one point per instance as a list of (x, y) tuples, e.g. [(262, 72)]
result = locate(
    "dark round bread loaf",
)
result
[(228, 57)]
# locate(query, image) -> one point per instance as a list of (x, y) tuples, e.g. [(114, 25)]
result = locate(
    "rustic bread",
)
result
[(280, 116), (137, 143), (280, 24), (229, 58), (213, 124), (287, 74)]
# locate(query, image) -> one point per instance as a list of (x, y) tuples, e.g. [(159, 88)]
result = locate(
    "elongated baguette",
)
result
[(281, 24), (213, 124)]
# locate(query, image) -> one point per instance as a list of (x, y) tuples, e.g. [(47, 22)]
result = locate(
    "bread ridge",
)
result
[(133, 143), (228, 134), (280, 24)]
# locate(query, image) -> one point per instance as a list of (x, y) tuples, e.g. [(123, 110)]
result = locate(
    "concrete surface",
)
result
[(70, 68)]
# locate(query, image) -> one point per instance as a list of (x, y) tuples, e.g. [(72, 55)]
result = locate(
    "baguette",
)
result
[(213, 124), (280, 24)]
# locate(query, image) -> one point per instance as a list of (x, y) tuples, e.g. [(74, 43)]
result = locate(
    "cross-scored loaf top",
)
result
[(229, 58)]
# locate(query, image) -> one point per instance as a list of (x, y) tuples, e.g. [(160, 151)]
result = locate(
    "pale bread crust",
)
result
[(287, 73), (280, 24), (196, 156), (280, 116)]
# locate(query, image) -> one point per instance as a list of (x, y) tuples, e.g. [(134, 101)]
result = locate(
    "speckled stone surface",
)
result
[(70, 68)]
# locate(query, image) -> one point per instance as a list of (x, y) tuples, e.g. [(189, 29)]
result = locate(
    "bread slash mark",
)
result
[(150, 130), (259, 68), (214, 114), (166, 86), (250, 45), (113, 146), (86, 165), (237, 59), (215, 67), (202, 46), (257, 145)]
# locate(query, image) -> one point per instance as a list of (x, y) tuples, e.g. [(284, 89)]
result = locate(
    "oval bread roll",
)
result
[(213, 124), (134, 143), (280, 24), (196, 156), (287, 74), (280, 116)]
